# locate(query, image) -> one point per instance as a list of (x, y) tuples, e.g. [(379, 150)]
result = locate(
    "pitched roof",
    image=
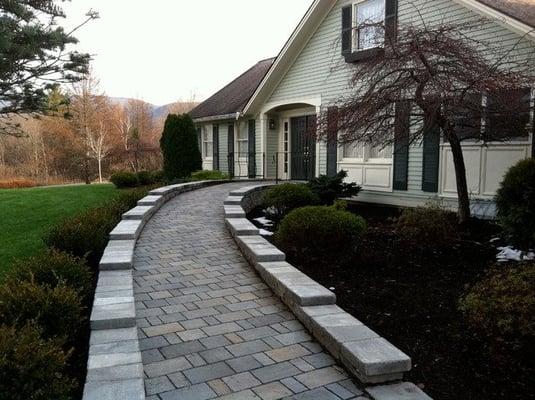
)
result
[(521, 10), (233, 97)]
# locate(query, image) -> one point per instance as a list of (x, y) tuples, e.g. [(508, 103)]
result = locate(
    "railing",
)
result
[(245, 165)]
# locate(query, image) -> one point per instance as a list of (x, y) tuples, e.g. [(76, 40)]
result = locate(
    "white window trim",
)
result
[(366, 159), (354, 36), (210, 139), (241, 157)]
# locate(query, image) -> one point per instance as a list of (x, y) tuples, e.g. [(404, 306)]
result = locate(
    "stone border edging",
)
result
[(114, 367), (366, 355)]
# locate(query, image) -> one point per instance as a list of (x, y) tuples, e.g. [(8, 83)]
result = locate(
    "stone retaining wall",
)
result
[(365, 354), (114, 368)]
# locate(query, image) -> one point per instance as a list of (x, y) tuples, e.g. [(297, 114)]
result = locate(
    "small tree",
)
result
[(180, 149), (437, 76), (34, 58)]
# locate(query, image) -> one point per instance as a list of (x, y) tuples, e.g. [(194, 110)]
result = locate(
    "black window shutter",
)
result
[(199, 138), (431, 157), (231, 150), (391, 20), (215, 146), (252, 148), (347, 29), (401, 145), (332, 141)]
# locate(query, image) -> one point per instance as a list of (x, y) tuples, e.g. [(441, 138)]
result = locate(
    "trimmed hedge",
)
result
[(124, 179), (57, 311), (320, 233), (425, 229), (32, 368), (208, 176), (86, 235), (515, 201), (502, 305), (279, 200), (53, 268)]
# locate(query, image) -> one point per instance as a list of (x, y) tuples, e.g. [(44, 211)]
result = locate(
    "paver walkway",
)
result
[(208, 326)]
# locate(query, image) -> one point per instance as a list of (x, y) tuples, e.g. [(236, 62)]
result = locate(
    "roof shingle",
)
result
[(233, 97), (521, 10)]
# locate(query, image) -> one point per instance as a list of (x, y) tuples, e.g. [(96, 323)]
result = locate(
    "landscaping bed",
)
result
[(409, 293)]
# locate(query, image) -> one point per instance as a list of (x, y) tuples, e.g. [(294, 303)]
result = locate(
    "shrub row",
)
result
[(125, 179), (208, 176), (45, 303), (17, 183)]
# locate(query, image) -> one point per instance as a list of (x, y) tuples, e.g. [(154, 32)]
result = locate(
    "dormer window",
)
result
[(366, 25), (368, 22)]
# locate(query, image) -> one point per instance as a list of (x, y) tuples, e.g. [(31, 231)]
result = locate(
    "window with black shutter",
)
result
[(252, 149), (363, 33), (230, 146), (332, 141), (508, 115)]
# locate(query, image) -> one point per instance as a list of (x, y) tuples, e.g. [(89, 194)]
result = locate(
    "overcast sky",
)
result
[(165, 50)]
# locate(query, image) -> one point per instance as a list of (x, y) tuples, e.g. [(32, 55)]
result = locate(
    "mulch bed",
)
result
[(411, 299)]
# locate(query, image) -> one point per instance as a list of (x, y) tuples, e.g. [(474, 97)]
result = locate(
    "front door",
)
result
[(303, 150)]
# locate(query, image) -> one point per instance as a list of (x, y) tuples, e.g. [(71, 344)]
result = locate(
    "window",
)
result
[(207, 143), (508, 114), (369, 16), (286, 148), (366, 152), (243, 143)]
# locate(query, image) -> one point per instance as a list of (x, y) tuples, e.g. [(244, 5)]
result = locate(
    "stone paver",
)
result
[(208, 325)]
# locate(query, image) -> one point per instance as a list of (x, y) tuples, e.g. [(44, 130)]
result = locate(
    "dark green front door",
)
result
[(303, 151)]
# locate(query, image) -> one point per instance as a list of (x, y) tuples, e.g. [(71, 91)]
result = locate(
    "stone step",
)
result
[(398, 391), (241, 227), (257, 249), (233, 200), (234, 211), (118, 255)]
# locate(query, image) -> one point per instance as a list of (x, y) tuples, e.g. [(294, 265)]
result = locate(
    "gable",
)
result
[(319, 69)]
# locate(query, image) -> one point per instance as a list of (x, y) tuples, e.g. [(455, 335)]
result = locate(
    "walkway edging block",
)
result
[(366, 355), (115, 370)]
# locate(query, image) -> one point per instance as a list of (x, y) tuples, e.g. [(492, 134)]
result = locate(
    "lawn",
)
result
[(26, 214)]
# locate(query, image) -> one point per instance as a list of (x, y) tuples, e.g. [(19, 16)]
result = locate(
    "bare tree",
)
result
[(435, 76)]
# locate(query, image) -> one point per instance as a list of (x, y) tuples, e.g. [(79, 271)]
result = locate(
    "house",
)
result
[(313, 71)]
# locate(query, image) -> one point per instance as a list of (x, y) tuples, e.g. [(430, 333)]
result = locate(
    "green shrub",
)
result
[(52, 268), (180, 147), (328, 189), (145, 178), (281, 199), (158, 176), (502, 305), (208, 176), (86, 235), (515, 201), (32, 368), (57, 311), (124, 179), (320, 233), (427, 229)]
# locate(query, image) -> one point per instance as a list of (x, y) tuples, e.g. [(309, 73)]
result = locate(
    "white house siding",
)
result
[(319, 70)]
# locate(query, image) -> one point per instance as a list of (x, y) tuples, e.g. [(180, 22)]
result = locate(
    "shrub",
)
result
[(180, 147), (145, 178), (328, 189), (124, 179), (320, 233), (502, 305), (158, 176), (86, 234), (53, 268), (17, 183), (427, 229), (281, 199), (32, 368), (208, 176), (515, 201), (57, 311)]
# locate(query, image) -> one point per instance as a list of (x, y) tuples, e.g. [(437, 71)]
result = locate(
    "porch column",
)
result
[(263, 144)]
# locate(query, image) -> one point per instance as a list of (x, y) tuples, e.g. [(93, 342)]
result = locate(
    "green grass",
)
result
[(26, 214)]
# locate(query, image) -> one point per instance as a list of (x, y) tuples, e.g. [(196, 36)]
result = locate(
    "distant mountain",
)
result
[(158, 112)]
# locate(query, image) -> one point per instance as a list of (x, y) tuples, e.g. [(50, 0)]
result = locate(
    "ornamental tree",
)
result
[(180, 149), (427, 78), (35, 56)]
